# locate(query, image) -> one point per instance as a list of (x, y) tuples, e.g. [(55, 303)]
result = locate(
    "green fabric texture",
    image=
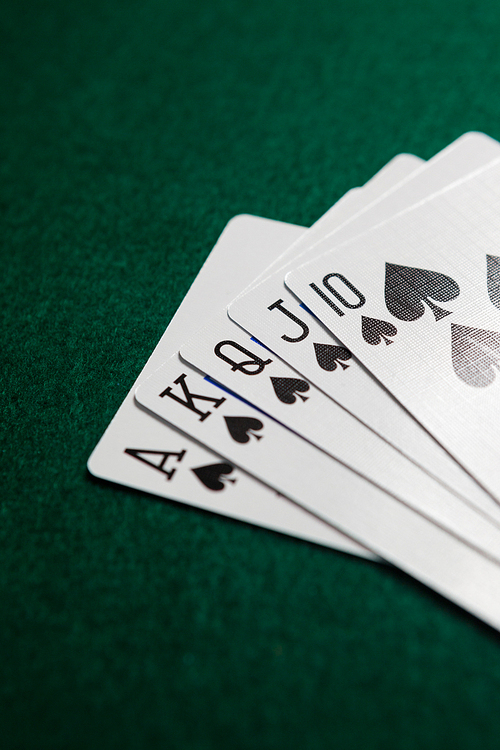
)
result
[(131, 132)]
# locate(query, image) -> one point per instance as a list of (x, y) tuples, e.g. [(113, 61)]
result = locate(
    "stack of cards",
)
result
[(342, 383)]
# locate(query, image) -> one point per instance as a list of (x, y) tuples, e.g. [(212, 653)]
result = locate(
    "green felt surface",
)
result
[(131, 132)]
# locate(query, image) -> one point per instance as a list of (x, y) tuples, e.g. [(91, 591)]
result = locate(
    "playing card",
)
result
[(274, 317), (140, 451), (227, 354), (417, 300), (253, 441)]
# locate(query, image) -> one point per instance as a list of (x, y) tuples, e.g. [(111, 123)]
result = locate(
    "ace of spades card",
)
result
[(416, 299)]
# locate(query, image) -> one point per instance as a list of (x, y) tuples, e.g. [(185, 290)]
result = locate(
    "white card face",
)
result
[(253, 441), (275, 317), (140, 451), (427, 322), (227, 354)]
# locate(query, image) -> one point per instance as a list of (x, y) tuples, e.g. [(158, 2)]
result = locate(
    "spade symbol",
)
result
[(240, 428), (211, 474), (287, 389), (474, 354), (329, 356), (407, 288), (374, 330), (493, 275)]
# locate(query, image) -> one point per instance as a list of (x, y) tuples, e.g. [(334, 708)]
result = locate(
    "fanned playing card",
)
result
[(416, 300)]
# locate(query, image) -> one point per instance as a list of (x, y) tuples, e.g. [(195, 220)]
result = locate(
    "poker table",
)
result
[(132, 131)]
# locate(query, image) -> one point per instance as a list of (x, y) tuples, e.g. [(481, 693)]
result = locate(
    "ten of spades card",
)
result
[(417, 301)]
